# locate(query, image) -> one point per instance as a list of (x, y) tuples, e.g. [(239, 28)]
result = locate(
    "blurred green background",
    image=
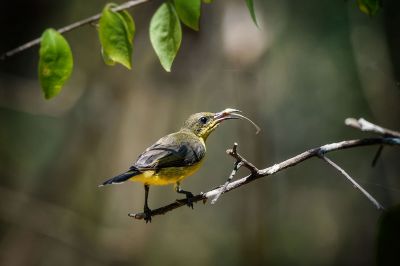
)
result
[(309, 66)]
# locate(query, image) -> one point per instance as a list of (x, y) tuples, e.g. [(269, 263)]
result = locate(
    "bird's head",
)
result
[(202, 124)]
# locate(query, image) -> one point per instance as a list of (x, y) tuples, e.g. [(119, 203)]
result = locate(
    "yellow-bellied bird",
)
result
[(175, 156)]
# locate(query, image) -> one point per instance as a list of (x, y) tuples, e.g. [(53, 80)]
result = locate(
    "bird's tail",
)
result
[(122, 177)]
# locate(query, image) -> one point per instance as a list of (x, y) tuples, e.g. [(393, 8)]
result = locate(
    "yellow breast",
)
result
[(166, 176)]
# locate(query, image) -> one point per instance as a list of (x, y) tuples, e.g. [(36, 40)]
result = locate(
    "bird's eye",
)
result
[(203, 119)]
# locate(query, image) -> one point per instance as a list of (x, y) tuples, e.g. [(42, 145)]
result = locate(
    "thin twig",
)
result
[(236, 167), (233, 152), (240, 161), (367, 126), (70, 27), (316, 152), (377, 155), (355, 184)]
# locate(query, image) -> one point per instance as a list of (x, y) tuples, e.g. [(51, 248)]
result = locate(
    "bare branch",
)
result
[(377, 155), (355, 184), (169, 207), (70, 27), (367, 126), (233, 152), (236, 167), (316, 152), (364, 125), (390, 139)]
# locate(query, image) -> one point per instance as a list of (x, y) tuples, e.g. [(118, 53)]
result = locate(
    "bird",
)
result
[(175, 156)]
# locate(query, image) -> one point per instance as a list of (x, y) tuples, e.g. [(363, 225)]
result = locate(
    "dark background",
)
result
[(309, 66)]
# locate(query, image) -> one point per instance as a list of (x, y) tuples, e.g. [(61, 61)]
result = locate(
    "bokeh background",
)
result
[(310, 65)]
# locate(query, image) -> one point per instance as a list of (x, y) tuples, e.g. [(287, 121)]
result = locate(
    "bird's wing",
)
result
[(174, 150)]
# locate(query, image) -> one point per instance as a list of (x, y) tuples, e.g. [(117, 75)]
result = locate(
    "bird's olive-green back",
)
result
[(174, 150), (183, 148)]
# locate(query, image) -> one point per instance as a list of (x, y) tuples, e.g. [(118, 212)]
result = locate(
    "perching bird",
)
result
[(175, 156)]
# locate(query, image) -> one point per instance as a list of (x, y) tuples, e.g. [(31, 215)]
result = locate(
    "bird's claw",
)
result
[(189, 200), (147, 214), (189, 203)]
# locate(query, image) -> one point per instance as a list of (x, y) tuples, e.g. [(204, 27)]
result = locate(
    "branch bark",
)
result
[(366, 126), (256, 173), (70, 27)]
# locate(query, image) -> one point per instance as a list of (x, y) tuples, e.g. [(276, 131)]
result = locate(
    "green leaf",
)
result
[(369, 7), (207, 1), (166, 34), (189, 12), (129, 25), (107, 60), (250, 6), (55, 62), (116, 33)]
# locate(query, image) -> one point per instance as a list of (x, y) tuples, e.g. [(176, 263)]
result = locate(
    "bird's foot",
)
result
[(189, 199), (147, 214)]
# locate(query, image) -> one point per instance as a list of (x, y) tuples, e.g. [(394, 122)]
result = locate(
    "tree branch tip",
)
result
[(350, 121), (137, 216), (360, 123), (235, 145), (233, 151), (367, 126)]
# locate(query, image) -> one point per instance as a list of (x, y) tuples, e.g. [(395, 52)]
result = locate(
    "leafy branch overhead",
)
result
[(116, 32), (116, 35)]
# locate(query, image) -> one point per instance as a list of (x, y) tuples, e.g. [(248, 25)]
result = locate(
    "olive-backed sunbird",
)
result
[(175, 156)]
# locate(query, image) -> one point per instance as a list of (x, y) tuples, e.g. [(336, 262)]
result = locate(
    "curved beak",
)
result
[(226, 114), (230, 113)]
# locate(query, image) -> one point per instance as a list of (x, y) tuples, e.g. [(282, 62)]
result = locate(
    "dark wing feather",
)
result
[(175, 150)]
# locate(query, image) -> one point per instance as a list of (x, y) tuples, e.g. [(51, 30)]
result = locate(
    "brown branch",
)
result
[(70, 27), (316, 152)]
